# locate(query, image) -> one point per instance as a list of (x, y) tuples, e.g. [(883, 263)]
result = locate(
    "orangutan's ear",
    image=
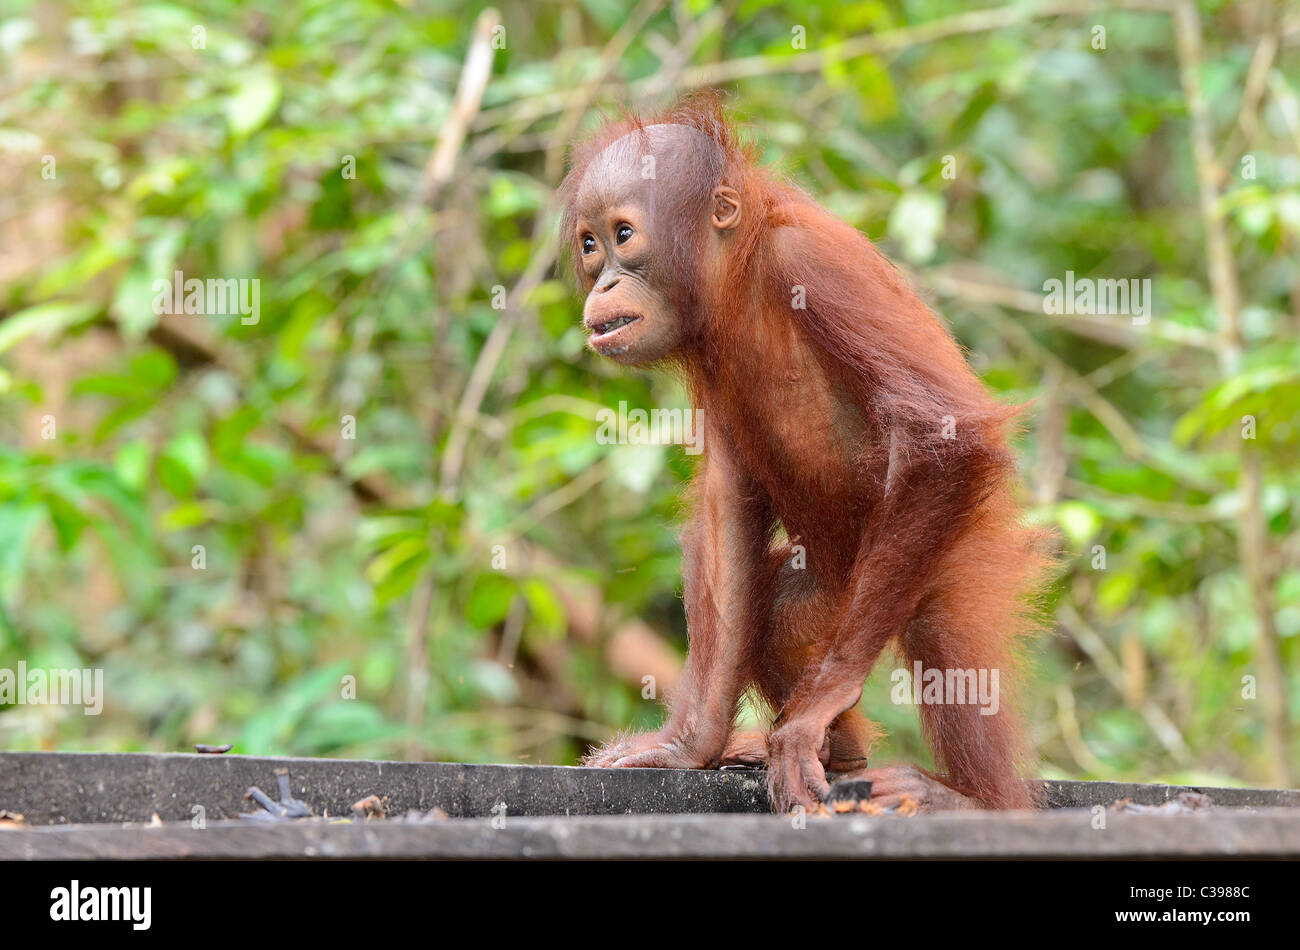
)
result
[(726, 208)]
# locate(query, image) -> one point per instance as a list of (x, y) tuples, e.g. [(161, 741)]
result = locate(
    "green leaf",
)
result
[(183, 463), (489, 600), (1078, 520), (403, 553), (545, 608), (252, 102), (44, 320), (18, 526), (916, 222)]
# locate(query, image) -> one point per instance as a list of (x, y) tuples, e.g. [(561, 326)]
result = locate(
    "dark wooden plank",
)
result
[(1047, 834), (50, 788), (58, 788)]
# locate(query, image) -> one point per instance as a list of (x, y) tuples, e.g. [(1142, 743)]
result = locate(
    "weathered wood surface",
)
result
[(73, 788), (1063, 794), (1065, 834)]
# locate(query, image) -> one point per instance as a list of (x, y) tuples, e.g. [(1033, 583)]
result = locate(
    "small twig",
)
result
[(548, 504), (1288, 106), (1223, 275), (1077, 388), (1114, 330), (1067, 721), (1146, 507), (192, 340), (811, 61), (1251, 97), (474, 78), (1091, 643), (581, 97), (453, 457)]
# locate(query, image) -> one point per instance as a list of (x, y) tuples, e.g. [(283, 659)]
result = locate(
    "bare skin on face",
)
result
[(623, 210), (830, 518)]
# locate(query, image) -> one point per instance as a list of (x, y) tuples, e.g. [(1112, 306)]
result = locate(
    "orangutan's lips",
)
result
[(602, 329)]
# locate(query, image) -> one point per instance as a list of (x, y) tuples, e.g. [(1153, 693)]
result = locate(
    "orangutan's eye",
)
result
[(623, 234), (588, 244)]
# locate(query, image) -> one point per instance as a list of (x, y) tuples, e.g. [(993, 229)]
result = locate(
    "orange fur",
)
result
[(855, 426)]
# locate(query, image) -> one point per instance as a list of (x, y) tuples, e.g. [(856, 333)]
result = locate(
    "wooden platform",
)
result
[(97, 806)]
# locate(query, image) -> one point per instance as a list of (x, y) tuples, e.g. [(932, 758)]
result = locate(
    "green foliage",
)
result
[(242, 520)]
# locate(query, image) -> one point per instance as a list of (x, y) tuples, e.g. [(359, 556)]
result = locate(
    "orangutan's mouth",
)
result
[(605, 329)]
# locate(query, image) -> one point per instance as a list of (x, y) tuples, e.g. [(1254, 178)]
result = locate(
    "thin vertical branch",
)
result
[(474, 77), (1252, 537)]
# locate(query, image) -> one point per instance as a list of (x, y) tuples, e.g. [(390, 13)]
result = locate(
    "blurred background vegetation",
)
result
[(323, 148)]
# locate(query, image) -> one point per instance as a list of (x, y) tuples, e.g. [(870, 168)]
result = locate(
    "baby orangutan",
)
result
[(856, 486)]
